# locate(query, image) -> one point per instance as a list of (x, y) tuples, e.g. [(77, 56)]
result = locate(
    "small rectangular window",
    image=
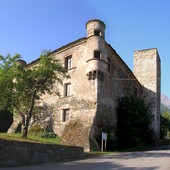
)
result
[(97, 54), (96, 32), (68, 62), (65, 115), (67, 89)]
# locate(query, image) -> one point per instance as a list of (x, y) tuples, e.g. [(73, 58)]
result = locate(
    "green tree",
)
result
[(134, 120), (165, 123), (22, 87)]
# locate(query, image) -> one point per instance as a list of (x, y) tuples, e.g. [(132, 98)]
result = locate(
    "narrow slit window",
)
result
[(65, 115), (108, 64)]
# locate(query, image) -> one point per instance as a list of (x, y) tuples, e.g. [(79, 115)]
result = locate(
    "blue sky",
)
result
[(28, 27)]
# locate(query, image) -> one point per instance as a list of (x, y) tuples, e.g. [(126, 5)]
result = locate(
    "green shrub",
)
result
[(165, 124), (48, 135), (111, 142), (134, 120), (19, 128), (36, 130)]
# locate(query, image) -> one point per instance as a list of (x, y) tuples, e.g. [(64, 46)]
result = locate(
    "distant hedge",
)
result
[(6, 119)]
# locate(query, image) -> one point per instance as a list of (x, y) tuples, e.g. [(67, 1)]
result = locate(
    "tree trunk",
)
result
[(26, 124), (25, 132), (26, 119)]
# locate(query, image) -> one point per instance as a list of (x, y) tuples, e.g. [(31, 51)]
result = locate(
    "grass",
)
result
[(165, 142), (57, 140), (30, 138), (142, 148), (98, 153)]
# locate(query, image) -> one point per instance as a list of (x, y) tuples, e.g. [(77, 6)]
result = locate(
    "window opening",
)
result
[(97, 54), (68, 62), (108, 64), (67, 89), (65, 115), (96, 32)]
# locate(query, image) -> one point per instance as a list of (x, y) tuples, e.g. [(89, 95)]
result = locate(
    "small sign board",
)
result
[(104, 136)]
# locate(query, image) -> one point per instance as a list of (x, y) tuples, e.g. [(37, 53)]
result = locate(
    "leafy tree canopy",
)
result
[(22, 86)]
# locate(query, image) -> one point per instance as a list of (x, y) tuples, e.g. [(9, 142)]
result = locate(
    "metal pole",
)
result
[(105, 146), (102, 146)]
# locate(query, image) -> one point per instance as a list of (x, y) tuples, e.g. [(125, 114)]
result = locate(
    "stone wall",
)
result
[(96, 83), (147, 69), (14, 153)]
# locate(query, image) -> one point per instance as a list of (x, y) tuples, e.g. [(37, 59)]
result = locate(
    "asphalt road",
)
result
[(148, 160)]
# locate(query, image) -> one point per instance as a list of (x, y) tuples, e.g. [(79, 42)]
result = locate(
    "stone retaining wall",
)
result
[(14, 153)]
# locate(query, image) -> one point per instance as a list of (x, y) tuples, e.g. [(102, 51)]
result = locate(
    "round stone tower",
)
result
[(96, 52), (96, 67), (22, 63)]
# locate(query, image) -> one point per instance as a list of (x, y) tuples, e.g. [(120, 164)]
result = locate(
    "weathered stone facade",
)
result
[(98, 78), (147, 69)]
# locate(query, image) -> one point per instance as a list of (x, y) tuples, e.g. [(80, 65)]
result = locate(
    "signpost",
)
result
[(104, 141)]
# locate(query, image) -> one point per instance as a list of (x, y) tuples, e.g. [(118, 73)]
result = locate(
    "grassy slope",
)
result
[(30, 138)]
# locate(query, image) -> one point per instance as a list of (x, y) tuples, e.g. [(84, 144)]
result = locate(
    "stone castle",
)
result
[(98, 78)]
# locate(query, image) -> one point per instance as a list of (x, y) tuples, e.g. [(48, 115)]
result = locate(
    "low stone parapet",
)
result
[(14, 153)]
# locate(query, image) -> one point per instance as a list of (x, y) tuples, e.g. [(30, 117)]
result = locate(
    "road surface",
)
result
[(145, 160)]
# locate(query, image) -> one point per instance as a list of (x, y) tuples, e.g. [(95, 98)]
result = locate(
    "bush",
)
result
[(134, 120), (36, 130), (111, 142), (165, 124), (48, 135)]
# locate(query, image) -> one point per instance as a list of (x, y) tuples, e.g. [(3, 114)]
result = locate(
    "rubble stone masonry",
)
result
[(98, 78)]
